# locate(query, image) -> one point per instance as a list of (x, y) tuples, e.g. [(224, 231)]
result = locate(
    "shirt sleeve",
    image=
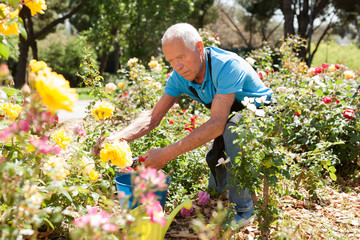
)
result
[(171, 87)]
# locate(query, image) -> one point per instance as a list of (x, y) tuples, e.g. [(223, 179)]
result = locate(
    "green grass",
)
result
[(83, 93), (333, 53)]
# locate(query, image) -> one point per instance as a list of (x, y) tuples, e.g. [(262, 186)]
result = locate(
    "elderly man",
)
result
[(214, 77)]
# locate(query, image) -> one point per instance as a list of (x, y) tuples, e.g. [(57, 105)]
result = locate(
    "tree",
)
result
[(33, 35), (251, 22)]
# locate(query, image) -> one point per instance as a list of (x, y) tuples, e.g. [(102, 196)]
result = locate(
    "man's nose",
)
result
[(178, 65)]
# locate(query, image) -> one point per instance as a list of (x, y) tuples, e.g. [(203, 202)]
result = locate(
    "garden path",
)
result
[(78, 113)]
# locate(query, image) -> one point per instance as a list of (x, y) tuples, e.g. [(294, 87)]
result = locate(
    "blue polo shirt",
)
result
[(230, 74)]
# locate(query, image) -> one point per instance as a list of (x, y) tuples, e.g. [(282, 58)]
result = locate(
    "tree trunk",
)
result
[(25, 14), (22, 63), (286, 8), (21, 66), (103, 62), (117, 57), (105, 56)]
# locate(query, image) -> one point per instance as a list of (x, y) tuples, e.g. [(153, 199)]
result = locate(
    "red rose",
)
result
[(297, 114), (337, 101), (349, 113), (187, 127), (318, 70), (327, 99), (171, 121), (260, 75), (325, 65), (337, 66)]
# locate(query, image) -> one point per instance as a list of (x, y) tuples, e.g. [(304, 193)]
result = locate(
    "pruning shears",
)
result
[(137, 161)]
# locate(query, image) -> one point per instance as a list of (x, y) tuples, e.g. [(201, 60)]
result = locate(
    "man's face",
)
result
[(184, 61)]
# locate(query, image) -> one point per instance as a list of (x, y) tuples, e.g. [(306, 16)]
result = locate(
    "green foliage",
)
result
[(63, 57), (332, 53)]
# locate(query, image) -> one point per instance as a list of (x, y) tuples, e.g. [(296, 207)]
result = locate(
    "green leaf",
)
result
[(333, 176), (22, 29), (319, 92), (14, 2), (103, 165), (4, 50), (50, 224), (10, 91), (339, 81), (67, 195), (332, 169)]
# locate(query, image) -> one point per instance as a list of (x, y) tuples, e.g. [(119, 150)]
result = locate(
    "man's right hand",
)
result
[(95, 150)]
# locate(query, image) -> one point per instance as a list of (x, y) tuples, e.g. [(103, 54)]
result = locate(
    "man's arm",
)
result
[(146, 121), (214, 127)]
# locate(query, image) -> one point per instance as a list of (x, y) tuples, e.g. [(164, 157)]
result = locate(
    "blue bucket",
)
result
[(123, 184)]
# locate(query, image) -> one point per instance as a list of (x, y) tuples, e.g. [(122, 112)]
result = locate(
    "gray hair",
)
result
[(185, 31)]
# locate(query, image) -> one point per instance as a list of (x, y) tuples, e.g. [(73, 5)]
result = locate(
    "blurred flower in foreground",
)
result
[(57, 168), (153, 208), (118, 152), (10, 110), (5, 28), (103, 110), (96, 219), (60, 138), (53, 88), (36, 6)]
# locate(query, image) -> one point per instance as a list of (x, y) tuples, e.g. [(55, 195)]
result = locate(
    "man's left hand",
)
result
[(156, 158)]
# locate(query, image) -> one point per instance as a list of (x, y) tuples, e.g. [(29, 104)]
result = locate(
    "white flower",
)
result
[(222, 161), (251, 107), (318, 81), (247, 101), (262, 100), (250, 60)]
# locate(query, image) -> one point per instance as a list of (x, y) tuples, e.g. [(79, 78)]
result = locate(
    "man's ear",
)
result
[(200, 47)]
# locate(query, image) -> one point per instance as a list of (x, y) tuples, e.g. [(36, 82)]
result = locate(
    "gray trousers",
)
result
[(220, 175)]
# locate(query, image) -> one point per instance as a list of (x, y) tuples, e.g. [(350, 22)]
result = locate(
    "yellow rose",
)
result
[(11, 110), (61, 139), (36, 66), (55, 90), (103, 110), (5, 28), (36, 6), (118, 152), (121, 84), (94, 175)]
